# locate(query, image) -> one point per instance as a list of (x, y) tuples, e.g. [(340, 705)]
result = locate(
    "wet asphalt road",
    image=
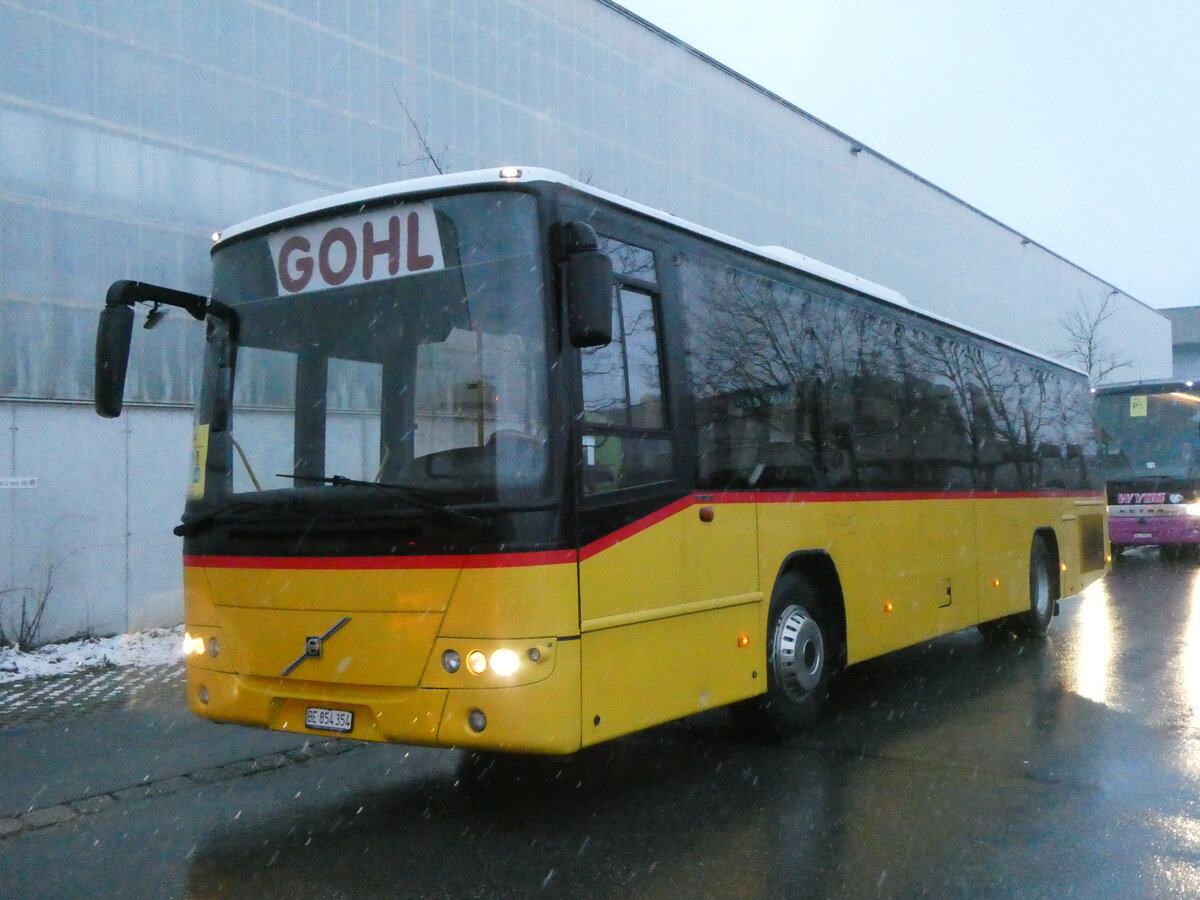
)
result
[(960, 768)]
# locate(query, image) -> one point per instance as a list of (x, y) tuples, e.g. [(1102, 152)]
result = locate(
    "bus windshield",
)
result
[(402, 345), (1150, 434)]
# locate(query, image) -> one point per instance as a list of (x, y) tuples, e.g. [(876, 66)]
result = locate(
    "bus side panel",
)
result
[(663, 609), (1005, 528), (1006, 531), (640, 675), (906, 566)]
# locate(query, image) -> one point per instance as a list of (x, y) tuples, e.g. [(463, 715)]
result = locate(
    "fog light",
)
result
[(451, 661), (476, 662), (202, 694), (477, 720), (214, 648)]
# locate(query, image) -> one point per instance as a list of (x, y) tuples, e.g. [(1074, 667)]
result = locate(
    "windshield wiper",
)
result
[(402, 491), (195, 525)]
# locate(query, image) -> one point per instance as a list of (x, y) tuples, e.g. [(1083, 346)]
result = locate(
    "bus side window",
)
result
[(625, 441)]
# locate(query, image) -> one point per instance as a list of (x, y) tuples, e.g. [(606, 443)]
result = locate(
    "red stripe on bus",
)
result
[(450, 561), (560, 557)]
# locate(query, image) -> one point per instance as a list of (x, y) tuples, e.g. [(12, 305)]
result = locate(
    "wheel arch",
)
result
[(818, 566)]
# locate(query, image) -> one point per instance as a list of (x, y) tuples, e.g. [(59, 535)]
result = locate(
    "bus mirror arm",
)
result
[(115, 331), (588, 277)]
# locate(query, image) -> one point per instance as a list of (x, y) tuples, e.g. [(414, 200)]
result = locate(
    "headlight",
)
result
[(1192, 509), (193, 645), (505, 662)]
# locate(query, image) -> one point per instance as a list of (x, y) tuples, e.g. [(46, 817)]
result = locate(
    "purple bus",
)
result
[(1151, 436)]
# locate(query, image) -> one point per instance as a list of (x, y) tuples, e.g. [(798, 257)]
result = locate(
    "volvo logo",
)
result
[(313, 646)]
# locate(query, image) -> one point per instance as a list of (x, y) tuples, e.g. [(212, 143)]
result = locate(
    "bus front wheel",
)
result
[(800, 652)]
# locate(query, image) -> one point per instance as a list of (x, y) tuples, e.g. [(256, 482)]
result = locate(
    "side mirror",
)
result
[(588, 276), (112, 358), (116, 328)]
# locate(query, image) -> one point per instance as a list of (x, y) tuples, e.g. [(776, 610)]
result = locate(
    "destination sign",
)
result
[(375, 246)]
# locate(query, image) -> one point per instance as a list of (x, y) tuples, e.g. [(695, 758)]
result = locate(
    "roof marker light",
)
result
[(510, 172)]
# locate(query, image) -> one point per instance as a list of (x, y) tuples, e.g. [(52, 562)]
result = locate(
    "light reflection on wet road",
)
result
[(957, 768)]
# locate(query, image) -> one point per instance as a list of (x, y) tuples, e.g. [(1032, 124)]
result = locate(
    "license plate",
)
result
[(328, 719), (1142, 536)]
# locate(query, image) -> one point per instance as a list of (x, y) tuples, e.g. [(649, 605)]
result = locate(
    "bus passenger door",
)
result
[(667, 579)]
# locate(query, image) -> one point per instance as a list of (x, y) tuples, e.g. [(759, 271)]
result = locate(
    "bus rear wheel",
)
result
[(800, 653), (1043, 592), (1043, 598)]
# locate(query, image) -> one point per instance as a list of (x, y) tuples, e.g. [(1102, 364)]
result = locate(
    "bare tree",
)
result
[(1085, 343), (427, 154)]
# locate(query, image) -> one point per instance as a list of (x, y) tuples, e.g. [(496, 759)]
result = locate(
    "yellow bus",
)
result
[(499, 460)]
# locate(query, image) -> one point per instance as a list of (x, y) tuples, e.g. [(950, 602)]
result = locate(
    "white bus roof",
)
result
[(526, 174)]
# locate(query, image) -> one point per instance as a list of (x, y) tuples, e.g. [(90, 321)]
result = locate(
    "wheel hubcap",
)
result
[(1041, 592), (799, 656)]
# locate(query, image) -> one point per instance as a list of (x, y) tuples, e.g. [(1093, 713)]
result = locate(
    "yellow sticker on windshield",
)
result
[(1137, 406), (199, 461)]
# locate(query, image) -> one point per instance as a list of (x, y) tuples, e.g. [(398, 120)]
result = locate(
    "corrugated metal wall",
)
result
[(130, 131)]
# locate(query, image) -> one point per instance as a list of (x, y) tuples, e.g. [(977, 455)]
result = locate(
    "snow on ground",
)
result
[(156, 647)]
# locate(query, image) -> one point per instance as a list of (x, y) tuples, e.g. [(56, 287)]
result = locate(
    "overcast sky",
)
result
[(1075, 123)]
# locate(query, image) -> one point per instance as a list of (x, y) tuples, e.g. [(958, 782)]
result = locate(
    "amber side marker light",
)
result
[(743, 640), (888, 606), (996, 582), (1062, 567)]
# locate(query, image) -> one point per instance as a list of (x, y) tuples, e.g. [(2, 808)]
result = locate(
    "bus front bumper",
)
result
[(543, 717), (1132, 531)]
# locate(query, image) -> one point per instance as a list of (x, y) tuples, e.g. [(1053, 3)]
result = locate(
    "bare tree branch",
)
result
[(425, 148), (1085, 343)]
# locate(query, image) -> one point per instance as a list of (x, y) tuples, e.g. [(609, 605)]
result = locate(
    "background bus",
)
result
[(1151, 437), (500, 460)]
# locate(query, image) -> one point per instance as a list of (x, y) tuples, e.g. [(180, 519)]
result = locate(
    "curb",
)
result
[(44, 817)]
